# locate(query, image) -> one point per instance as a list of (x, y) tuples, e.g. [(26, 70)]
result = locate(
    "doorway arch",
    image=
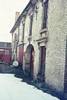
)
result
[(29, 60)]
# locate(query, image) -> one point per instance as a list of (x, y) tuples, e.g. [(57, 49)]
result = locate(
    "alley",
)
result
[(12, 88)]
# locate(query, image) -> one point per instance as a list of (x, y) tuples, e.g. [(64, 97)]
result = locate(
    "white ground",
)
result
[(12, 88)]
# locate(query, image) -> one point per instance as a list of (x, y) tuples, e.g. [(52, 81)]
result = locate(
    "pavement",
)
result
[(13, 88), (18, 73)]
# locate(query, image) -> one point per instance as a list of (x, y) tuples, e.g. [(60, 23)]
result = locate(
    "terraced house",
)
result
[(40, 37)]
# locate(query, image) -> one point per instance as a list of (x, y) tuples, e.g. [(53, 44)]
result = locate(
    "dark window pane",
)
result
[(31, 22), (45, 11)]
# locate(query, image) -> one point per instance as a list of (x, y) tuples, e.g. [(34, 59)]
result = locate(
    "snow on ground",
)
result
[(12, 88)]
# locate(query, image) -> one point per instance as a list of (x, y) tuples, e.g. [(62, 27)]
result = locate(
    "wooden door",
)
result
[(41, 74), (43, 54), (31, 62)]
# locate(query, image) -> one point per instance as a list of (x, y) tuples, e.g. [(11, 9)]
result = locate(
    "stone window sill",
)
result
[(43, 31)]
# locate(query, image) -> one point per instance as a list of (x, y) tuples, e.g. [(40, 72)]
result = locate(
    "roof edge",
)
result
[(19, 18)]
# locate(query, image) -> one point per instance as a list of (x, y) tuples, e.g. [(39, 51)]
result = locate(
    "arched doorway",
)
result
[(29, 60)]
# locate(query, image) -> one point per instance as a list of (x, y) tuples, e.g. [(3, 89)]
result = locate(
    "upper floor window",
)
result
[(15, 39), (31, 20), (23, 27), (45, 11)]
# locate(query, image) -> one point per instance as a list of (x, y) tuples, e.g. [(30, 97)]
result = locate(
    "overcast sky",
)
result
[(7, 16)]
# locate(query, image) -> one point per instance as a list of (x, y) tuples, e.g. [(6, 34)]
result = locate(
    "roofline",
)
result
[(17, 23), (5, 42)]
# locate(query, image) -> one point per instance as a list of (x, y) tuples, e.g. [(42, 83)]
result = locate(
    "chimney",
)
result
[(17, 15)]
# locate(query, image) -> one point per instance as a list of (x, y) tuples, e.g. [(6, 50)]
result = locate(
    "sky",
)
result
[(8, 8)]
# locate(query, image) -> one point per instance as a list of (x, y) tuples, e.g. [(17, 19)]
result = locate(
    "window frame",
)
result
[(45, 14)]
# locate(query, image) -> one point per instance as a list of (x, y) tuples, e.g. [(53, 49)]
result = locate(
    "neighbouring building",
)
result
[(5, 52), (42, 39)]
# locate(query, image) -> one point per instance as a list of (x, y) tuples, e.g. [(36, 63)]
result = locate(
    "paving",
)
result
[(18, 72)]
